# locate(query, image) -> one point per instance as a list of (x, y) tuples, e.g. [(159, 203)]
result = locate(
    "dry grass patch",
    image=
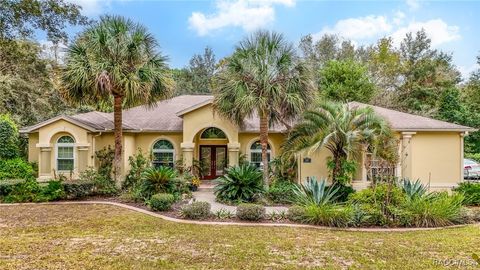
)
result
[(109, 237)]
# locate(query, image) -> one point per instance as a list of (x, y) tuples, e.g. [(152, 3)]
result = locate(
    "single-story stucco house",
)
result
[(185, 127)]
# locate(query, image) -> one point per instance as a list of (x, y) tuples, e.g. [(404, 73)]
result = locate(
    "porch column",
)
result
[(406, 157), (233, 149), (187, 151)]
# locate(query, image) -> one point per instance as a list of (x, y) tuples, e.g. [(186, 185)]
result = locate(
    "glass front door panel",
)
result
[(206, 160), (220, 161)]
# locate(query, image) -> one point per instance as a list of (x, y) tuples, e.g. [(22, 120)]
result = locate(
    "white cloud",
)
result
[(413, 4), (92, 7), (357, 29), (367, 29), (247, 14), (437, 30)]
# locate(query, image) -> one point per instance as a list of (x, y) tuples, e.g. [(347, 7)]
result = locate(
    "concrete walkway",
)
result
[(205, 194)]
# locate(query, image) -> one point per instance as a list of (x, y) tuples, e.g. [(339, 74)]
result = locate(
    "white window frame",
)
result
[(251, 151), (65, 145), (163, 151)]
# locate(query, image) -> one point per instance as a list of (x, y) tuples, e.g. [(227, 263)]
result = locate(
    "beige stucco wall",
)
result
[(33, 150), (433, 157), (204, 117), (436, 158)]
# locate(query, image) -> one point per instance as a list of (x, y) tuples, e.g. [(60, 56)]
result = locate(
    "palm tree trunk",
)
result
[(117, 122), (264, 143)]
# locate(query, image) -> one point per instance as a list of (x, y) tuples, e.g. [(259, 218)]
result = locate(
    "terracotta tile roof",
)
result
[(166, 116), (401, 121)]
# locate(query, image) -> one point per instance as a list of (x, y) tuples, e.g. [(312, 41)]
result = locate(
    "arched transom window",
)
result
[(256, 153), (163, 154), (213, 133), (65, 153)]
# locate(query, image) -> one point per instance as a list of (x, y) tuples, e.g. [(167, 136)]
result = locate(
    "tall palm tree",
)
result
[(263, 78), (115, 59), (345, 131)]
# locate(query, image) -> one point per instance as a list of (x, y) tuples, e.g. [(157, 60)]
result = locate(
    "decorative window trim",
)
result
[(63, 144), (213, 139), (172, 151)]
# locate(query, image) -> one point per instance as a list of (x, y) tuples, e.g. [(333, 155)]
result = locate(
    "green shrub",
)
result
[(138, 164), (161, 202), (196, 210), (378, 195), (471, 191), (105, 158), (27, 191), (296, 213), (281, 192), (240, 183), (53, 191), (31, 191), (437, 210), (474, 156), (78, 189), (315, 192), (102, 185), (343, 192), (16, 168), (329, 215), (250, 211), (8, 138), (6, 186)]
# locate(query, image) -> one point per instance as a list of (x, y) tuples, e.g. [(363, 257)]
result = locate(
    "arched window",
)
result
[(65, 153), (163, 154), (213, 133), (256, 153)]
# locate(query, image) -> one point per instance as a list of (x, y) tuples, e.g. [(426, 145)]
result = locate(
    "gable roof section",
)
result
[(57, 118), (401, 121), (166, 116)]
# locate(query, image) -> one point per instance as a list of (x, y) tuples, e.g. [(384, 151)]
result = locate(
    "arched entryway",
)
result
[(212, 154)]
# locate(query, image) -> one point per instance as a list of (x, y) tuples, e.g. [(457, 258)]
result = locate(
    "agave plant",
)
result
[(414, 189), (160, 177), (240, 183), (314, 192)]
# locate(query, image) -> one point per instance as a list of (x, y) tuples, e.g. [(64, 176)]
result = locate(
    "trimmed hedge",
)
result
[(250, 211), (161, 201), (196, 210), (78, 189)]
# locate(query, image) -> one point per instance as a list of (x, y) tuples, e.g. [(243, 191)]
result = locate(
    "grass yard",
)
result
[(109, 237)]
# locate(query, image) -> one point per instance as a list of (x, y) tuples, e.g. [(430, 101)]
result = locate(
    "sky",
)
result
[(184, 28)]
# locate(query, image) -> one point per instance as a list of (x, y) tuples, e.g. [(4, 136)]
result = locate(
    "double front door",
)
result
[(213, 160)]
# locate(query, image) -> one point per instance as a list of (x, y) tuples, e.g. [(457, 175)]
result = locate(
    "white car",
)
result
[(471, 169)]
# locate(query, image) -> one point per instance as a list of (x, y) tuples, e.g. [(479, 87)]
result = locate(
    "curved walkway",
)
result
[(185, 221), (205, 195)]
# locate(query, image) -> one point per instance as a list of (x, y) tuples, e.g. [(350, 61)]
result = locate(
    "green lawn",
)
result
[(109, 237)]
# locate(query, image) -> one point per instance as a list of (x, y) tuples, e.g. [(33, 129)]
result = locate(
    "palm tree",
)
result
[(115, 59), (346, 131), (263, 78)]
